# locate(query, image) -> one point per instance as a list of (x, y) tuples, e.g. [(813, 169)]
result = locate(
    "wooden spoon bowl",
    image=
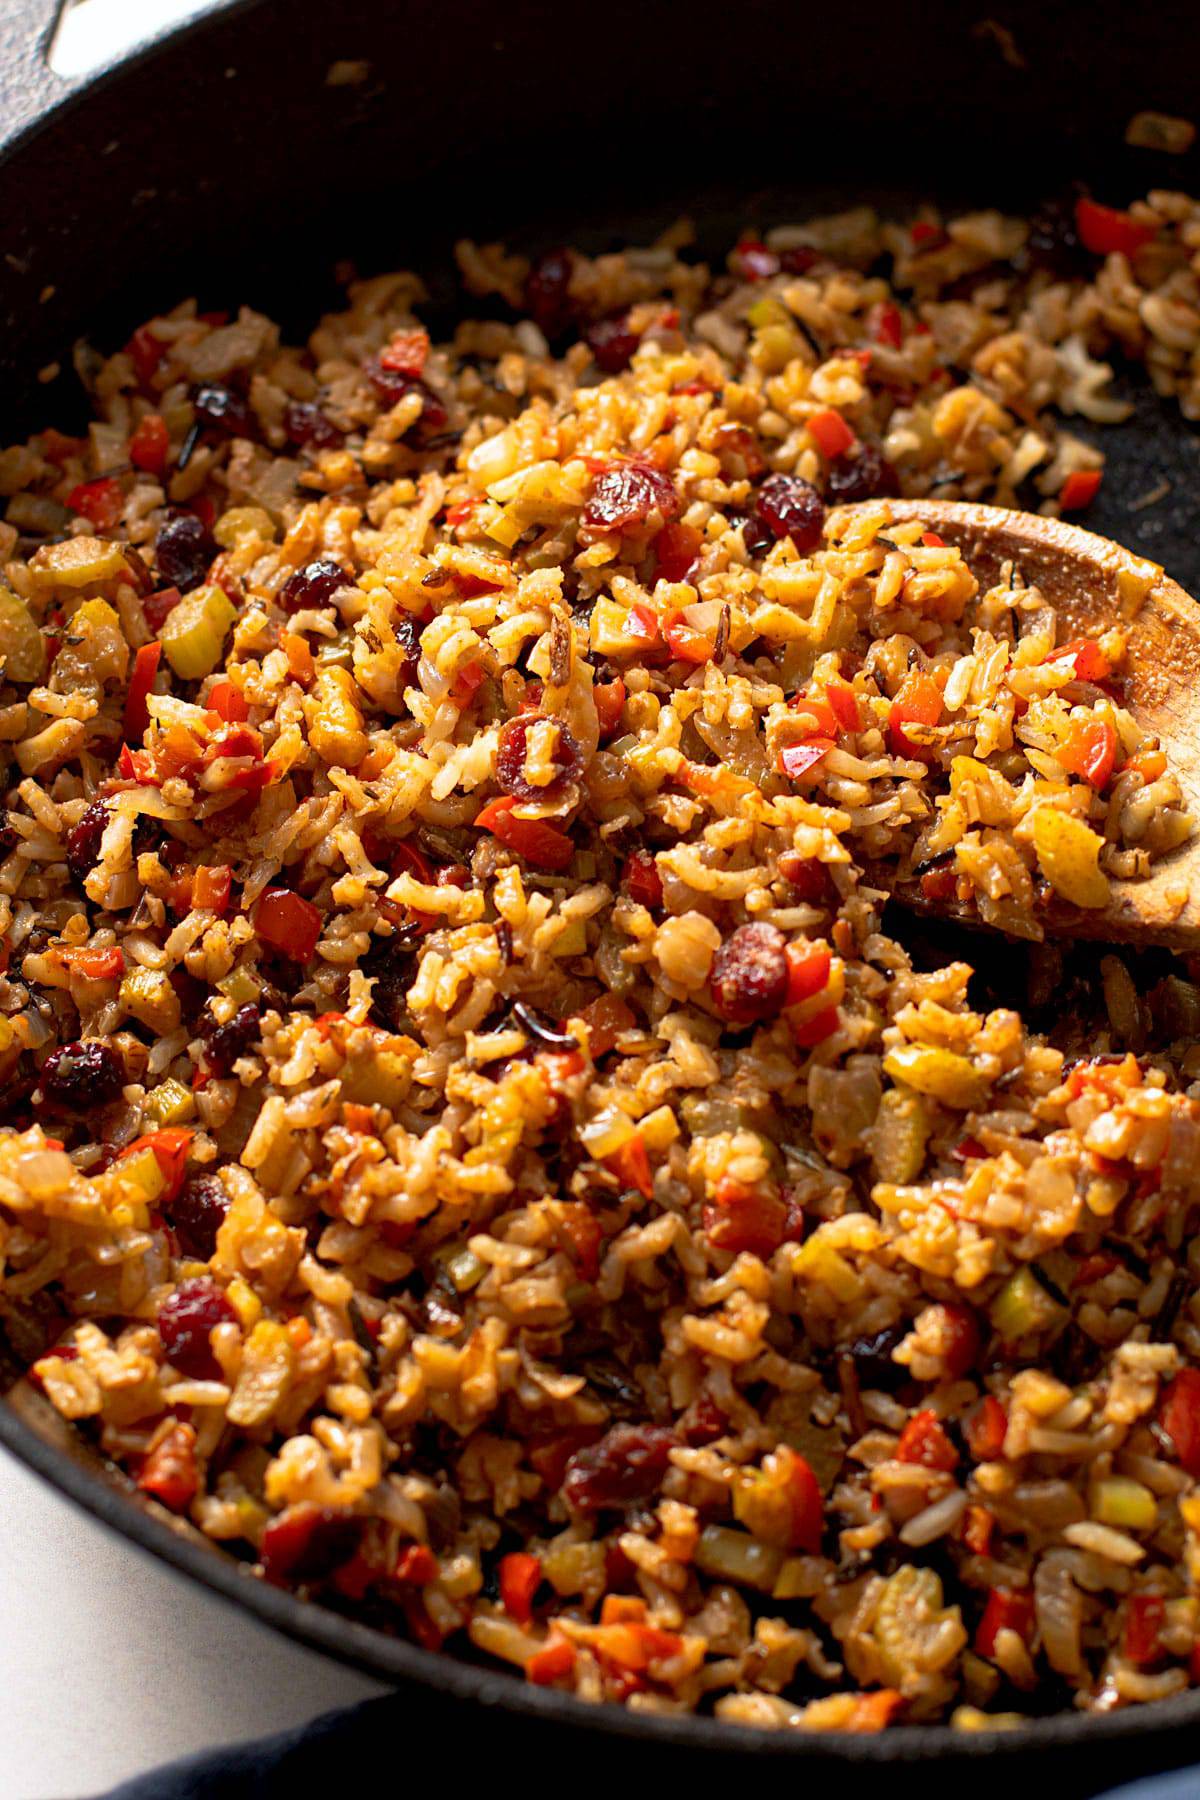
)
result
[(1093, 583)]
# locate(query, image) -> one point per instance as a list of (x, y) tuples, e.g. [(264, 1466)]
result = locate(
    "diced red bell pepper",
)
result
[(520, 1577), (923, 232), (145, 352), (465, 683), (924, 1441), (940, 884), (609, 697), (141, 683), (100, 502), (817, 706), (805, 1515), (644, 622), (288, 922), (687, 644), (137, 765), (1090, 750), (97, 965), (887, 327), (960, 1328), (985, 1428), (228, 702), (978, 1527), (832, 434), (843, 701), (211, 886), (798, 760), (149, 445), (408, 859), (1007, 1609), (918, 701), (1087, 660), (551, 1663), (1179, 1416), (1103, 230), (581, 1238), (876, 1710), (814, 1031), (541, 844), (631, 1165), (58, 448), (1079, 489), (806, 874), (643, 879), (605, 1018), (1145, 1615), (932, 541), (417, 1565), (755, 260), (169, 1472), (808, 964), (677, 547), (406, 353), (743, 1218)]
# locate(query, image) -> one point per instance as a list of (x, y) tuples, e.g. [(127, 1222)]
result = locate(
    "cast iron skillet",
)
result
[(222, 161)]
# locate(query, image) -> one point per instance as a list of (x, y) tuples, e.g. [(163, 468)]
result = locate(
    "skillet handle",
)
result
[(28, 85)]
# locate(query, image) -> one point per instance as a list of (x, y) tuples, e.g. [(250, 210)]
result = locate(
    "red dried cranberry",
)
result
[(1053, 240), (862, 474), (313, 585), (799, 260), (80, 1077), (393, 385), (307, 426), (510, 760), (308, 1542), (627, 1464), (224, 410), (703, 1422), (754, 261), (624, 497), (756, 536), (83, 840), (408, 636), (547, 299), (873, 1359), (223, 1044), (612, 343), (749, 975), (791, 508), (197, 1213), (183, 550), (185, 1320)]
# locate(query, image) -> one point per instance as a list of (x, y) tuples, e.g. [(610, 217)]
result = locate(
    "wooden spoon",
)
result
[(1092, 583)]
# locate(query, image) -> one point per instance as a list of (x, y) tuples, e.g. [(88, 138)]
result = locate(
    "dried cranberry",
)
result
[(756, 536), (510, 760), (612, 343), (627, 1464), (749, 975), (408, 636), (392, 385), (703, 1422), (799, 260), (624, 497), (224, 410), (547, 299), (196, 1213), (754, 261), (313, 585), (862, 474), (80, 1077), (307, 1542), (183, 550), (307, 426), (791, 508), (1053, 240), (223, 1044), (83, 840), (185, 1320)]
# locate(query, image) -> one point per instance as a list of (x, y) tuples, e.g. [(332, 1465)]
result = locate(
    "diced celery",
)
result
[(795, 1580), (143, 1169), (659, 1129), (76, 562), (572, 940), (170, 1103), (465, 1269), (736, 1556), (239, 986), (21, 643), (769, 310), (942, 1074), (193, 633), (37, 514), (1023, 1307), (149, 996)]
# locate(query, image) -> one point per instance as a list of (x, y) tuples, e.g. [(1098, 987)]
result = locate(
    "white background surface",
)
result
[(109, 1662)]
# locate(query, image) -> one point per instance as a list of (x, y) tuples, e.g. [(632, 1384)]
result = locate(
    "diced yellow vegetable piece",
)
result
[(465, 1269), (942, 1074), (1116, 1500), (795, 1580), (239, 986), (382, 1079), (143, 1169), (21, 643), (149, 996), (572, 939), (818, 1262), (768, 311), (76, 562), (244, 1301), (1068, 852), (609, 629), (607, 1133), (659, 1129), (243, 522), (193, 633), (899, 1135)]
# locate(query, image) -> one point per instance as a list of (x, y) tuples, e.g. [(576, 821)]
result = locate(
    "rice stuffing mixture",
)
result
[(473, 1144)]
